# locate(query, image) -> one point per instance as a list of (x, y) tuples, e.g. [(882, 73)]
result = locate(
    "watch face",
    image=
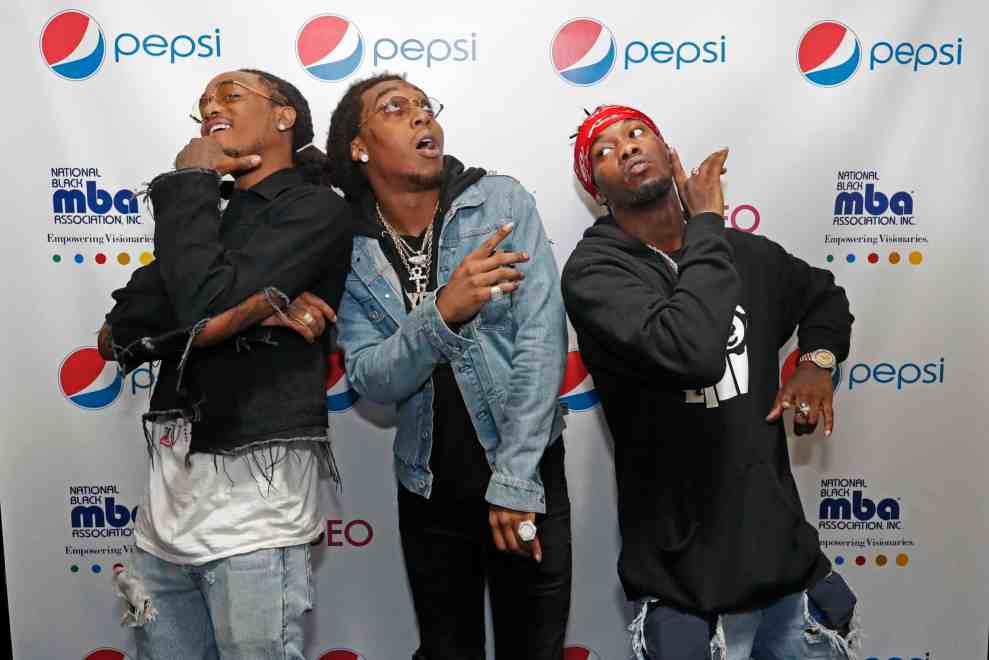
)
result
[(823, 359)]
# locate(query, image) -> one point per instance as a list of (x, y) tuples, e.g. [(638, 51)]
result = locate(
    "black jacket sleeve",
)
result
[(203, 278), (331, 285), (650, 332), (810, 299), (142, 324)]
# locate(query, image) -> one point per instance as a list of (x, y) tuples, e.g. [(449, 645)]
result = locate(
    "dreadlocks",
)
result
[(305, 155), (341, 171)]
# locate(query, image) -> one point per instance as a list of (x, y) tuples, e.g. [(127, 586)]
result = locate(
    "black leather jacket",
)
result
[(283, 236)]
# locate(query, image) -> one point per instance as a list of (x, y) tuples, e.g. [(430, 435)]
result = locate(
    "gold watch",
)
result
[(823, 358)]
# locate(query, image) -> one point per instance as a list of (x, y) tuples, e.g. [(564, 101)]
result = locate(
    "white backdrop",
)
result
[(908, 459)]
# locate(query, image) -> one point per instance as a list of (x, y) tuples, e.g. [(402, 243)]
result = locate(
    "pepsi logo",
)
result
[(72, 44), (341, 654), (829, 53), (340, 396), (577, 392), (583, 51), (579, 653), (89, 381), (330, 47), (106, 654), (790, 367)]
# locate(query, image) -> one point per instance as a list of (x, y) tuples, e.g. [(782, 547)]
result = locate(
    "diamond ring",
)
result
[(526, 530)]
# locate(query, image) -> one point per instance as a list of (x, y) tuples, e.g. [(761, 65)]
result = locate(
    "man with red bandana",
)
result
[(680, 322)]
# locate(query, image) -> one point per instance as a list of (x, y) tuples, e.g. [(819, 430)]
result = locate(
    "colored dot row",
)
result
[(95, 568), (881, 560), (123, 258), (915, 258)]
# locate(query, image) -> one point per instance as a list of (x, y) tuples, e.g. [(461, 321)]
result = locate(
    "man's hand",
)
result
[(308, 315), (701, 192), (470, 285), (104, 343), (504, 525), (207, 153), (811, 385)]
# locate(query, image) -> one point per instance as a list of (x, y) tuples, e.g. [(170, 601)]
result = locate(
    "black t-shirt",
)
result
[(458, 462)]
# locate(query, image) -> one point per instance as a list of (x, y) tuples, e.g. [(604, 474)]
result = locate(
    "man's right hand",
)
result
[(470, 285), (307, 315), (701, 192)]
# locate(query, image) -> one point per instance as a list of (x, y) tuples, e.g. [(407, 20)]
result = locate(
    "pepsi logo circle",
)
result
[(73, 45), (89, 381), (579, 653), (583, 51), (341, 654), (329, 47), (106, 654), (340, 396), (577, 392), (829, 54)]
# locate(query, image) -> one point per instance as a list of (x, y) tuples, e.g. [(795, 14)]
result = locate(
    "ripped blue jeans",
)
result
[(786, 630), (245, 607)]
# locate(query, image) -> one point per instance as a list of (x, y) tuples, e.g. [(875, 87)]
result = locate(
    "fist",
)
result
[(207, 153)]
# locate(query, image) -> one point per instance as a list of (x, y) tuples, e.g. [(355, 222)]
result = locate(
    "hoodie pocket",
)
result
[(675, 524), (776, 544), (677, 540)]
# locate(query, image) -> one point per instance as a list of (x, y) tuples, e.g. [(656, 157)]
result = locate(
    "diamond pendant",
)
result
[(417, 259)]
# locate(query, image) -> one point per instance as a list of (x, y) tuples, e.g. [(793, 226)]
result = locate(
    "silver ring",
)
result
[(803, 408), (695, 171), (496, 293), (308, 318), (526, 530)]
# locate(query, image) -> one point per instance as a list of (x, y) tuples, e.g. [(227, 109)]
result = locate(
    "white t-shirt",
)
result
[(213, 506)]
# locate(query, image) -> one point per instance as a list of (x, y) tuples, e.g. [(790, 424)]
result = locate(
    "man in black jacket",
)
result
[(237, 429), (680, 323)]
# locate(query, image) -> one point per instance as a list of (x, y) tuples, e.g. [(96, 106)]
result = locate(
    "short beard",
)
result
[(421, 181), (650, 193)]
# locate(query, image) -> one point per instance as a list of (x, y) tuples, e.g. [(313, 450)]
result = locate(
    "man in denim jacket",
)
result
[(452, 311)]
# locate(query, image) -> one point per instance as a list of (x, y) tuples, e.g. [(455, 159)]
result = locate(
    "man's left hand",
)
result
[(205, 152), (810, 385), (504, 525)]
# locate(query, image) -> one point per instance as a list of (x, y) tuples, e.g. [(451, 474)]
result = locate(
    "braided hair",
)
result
[(340, 169), (305, 155)]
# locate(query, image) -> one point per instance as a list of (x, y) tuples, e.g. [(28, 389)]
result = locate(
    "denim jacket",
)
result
[(508, 360)]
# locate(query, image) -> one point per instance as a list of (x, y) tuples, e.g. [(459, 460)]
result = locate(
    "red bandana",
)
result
[(600, 119)]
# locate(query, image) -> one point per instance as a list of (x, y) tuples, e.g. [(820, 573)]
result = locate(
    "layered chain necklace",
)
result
[(417, 262)]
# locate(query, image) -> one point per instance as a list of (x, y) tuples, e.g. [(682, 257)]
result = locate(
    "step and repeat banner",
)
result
[(858, 140)]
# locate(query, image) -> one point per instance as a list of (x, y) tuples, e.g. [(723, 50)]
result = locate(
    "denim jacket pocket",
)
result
[(374, 312), (496, 313)]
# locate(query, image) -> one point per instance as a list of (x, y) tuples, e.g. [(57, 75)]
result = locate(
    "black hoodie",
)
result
[(710, 517)]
